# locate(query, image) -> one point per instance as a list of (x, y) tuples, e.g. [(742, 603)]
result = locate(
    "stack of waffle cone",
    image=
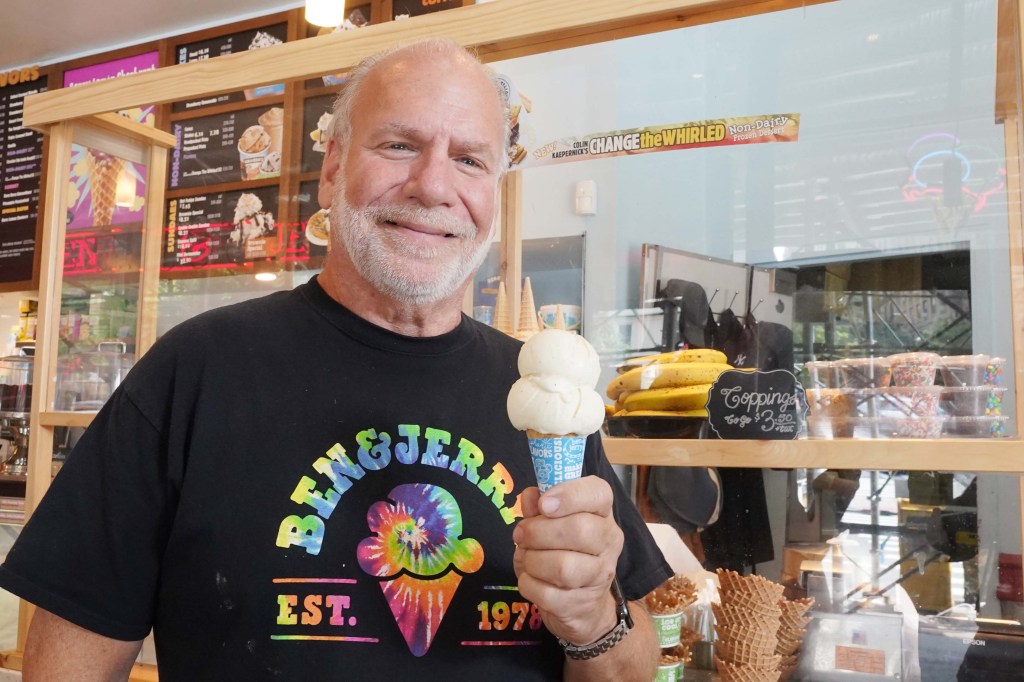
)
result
[(502, 313), (792, 628), (747, 624), (103, 174), (528, 325)]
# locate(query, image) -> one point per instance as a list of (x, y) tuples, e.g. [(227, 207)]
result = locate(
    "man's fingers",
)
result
[(529, 501), (567, 570), (590, 494), (586, 533), (569, 605)]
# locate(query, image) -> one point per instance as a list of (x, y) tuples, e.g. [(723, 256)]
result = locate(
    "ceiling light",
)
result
[(266, 276), (872, 37), (326, 13)]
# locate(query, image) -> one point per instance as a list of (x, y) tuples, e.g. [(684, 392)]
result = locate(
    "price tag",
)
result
[(757, 405)]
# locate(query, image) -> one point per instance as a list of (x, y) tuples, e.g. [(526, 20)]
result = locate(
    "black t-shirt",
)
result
[(282, 489)]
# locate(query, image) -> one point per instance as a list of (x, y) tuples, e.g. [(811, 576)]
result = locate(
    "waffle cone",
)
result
[(528, 324), (739, 650), (502, 313), (788, 647), (732, 672), (752, 603), (760, 638), (763, 589), (103, 187), (731, 615), (789, 624), (795, 608), (786, 672), (767, 590), (729, 580), (559, 318)]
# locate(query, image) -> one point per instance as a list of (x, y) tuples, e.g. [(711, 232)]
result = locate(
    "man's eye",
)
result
[(473, 163), (398, 145)]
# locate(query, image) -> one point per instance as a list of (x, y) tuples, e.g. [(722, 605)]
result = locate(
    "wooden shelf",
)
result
[(82, 419), (980, 454)]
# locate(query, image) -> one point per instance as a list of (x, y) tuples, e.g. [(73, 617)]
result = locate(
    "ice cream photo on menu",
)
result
[(103, 189), (554, 401), (259, 41), (319, 136), (253, 227)]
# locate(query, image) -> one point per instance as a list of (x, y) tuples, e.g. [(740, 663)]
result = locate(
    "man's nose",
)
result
[(432, 179)]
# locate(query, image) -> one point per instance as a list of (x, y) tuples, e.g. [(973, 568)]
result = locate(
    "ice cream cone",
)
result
[(419, 605), (788, 647), (793, 624), (733, 651), (739, 672), (753, 636), (556, 458), (502, 314), (751, 603), (732, 616), (528, 324), (559, 318), (103, 186), (795, 608)]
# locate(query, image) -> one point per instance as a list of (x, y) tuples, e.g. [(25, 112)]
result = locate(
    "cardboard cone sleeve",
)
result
[(554, 401)]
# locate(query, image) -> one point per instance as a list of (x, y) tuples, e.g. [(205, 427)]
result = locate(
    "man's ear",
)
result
[(329, 174)]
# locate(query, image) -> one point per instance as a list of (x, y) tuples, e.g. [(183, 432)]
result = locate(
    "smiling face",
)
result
[(413, 191)]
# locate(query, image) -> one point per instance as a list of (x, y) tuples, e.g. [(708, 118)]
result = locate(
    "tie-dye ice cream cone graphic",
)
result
[(418, 553)]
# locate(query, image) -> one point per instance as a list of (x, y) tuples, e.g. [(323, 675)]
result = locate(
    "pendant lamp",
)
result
[(326, 13)]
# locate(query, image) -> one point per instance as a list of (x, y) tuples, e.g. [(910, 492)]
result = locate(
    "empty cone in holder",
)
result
[(528, 324), (502, 314), (559, 318)]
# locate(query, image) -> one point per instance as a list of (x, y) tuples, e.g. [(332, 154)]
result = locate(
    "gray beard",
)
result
[(377, 256)]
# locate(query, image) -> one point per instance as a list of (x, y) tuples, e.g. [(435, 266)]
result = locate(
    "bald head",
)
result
[(361, 78)]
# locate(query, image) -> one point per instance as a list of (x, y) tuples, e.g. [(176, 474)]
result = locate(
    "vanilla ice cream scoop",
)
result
[(555, 394), (555, 352)]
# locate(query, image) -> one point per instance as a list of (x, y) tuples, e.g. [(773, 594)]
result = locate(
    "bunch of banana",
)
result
[(670, 384)]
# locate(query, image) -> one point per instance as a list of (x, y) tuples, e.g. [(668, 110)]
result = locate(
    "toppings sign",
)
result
[(757, 405)]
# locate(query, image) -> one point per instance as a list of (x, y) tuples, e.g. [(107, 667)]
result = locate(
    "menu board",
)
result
[(300, 247), (116, 68), (316, 117), (253, 39), (222, 229), (229, 147), (104, 190), (21, 161), (356, 17), (417, 7)]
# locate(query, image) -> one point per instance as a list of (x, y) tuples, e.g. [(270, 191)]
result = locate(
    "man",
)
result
[(324, 481)]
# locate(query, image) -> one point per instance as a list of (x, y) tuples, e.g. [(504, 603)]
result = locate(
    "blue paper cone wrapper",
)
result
[(557, 459)]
